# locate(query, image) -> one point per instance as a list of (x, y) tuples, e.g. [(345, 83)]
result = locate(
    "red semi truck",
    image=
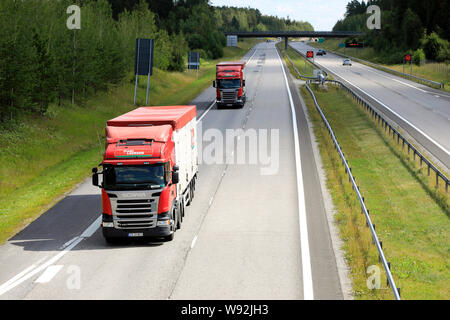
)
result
[(148, 171), (230, 84)]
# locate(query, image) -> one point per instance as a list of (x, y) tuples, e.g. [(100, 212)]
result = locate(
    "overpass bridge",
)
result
[(295, 34)]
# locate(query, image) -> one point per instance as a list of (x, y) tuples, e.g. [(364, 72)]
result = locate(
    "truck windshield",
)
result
[(229, 83), (133, 177)]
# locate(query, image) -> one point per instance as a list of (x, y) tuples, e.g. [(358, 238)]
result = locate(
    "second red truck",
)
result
[(230, 84)]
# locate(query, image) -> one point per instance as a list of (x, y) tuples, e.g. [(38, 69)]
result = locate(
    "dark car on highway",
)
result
[(321, 52)]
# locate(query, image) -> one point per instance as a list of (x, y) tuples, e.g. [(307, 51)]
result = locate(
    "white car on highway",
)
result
[(347, 62)]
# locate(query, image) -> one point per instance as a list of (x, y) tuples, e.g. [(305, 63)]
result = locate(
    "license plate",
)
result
[(229, 105), (140, 234)]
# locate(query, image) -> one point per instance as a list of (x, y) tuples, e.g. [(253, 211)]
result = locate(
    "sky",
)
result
[(322, 14)]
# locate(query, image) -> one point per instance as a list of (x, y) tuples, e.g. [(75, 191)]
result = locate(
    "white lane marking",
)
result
[(68, 243), (409, 85), (204, 113), (251, 56), (49, 274), (18, 276), (193, 242), (367, 68), (92, 228), (32, 271), (4, 289), (212, 104), (308, 291), (384, 105)]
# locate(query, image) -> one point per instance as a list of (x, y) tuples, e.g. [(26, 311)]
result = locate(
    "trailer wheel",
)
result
[(191, 194)]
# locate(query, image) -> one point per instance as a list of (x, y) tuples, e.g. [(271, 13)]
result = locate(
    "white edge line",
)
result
[(49, 274), (194, 241), (4, 289), (204, 113), (18, 276), (409, 85), (92, 228), (308, 291), (14, 282)]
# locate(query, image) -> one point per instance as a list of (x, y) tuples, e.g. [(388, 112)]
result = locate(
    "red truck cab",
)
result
[(148, 171), (230, 84)]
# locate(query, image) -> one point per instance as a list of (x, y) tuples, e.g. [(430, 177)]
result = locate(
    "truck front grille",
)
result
[(135, 213), (229, 96)]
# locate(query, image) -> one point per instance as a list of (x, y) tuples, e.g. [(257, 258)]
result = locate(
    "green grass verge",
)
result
[(413, 225), (439, 72), (298, 60), (44, 157)]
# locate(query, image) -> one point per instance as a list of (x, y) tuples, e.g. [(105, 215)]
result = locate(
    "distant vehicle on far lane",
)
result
[(321, 52), (347, 62)]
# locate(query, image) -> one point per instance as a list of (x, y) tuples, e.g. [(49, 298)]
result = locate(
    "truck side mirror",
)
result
[(176, 168), (95, 177), (214, 84), (95, 180), (175, 177)]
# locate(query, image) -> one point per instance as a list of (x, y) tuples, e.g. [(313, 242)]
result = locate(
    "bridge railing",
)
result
[(312, 34)]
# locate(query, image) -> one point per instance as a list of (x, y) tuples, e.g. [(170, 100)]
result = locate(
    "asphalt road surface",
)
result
[(245, 236), (422, 111)]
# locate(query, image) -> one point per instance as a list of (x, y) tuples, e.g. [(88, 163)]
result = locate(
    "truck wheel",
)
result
[(179, 214), (191, 194)]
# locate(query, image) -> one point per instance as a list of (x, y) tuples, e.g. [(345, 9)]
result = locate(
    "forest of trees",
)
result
[(43, 62), (248, 19), (414, 26)]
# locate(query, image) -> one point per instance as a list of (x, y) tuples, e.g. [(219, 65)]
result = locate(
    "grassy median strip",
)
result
[(44, 157), (413, 225), (298, 60)]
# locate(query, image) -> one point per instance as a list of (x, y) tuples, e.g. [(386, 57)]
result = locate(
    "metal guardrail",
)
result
[(405, 75), (306, 61), (348, 170), (298, 72), (387, 126)]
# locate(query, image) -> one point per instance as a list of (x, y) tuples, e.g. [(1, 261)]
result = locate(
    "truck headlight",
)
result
[(164, 223)]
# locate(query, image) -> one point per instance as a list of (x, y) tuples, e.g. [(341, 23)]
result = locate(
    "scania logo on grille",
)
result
[(133, 195)]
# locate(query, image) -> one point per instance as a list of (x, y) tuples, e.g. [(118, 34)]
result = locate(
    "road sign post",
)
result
[(407, 58), (309, 54), (193, 61), (143, 63)]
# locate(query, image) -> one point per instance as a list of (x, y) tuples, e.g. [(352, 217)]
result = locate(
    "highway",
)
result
[(422, 111), (245, 236)]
